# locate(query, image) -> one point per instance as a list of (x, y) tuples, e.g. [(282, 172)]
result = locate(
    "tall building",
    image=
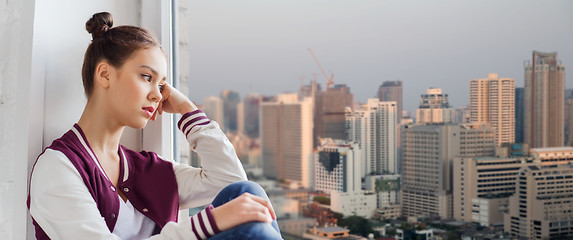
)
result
[(231, 101), (286, 138), (434, 107), (374, 127), (492, 101), (542, 207), (544, 101), (250, 115), (428, 154), (391, 91), (329, 108), (337, 166), (213, 107), (568, 117), (519, 101)]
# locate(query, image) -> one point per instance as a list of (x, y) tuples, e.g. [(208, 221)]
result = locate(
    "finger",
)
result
[(265, 203), (154, 116), (160, 108), (259, 214), (166, 91)]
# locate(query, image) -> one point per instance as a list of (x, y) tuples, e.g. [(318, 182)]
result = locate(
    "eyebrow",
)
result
[(152, 70)]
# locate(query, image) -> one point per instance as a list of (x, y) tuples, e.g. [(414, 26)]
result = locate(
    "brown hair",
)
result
[(114, 45)]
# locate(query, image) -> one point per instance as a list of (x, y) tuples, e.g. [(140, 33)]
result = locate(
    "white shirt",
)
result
[(132, 224)]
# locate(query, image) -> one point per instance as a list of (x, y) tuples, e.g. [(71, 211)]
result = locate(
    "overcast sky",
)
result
[(261, 46)]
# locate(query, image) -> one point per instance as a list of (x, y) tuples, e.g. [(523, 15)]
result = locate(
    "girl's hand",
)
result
[(243, 209), (173, 101)]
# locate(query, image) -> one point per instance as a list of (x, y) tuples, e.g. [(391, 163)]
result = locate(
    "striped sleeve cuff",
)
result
[(192, 119), (203, 224)]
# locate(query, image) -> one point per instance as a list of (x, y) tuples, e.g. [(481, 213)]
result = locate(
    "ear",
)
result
[(103, 74)]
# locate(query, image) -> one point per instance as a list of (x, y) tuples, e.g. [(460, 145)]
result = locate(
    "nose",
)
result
[(155, 94)]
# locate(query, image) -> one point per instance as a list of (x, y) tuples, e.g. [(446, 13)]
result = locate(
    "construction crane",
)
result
[(328, 80)]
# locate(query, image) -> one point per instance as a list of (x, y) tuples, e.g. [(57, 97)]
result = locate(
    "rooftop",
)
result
[(332, 229)]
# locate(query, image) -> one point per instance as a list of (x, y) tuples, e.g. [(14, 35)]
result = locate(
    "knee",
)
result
[(247, 186), (258, 230)]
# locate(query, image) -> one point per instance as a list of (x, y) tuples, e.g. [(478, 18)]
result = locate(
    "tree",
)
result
[(358, 225), (322, 200)]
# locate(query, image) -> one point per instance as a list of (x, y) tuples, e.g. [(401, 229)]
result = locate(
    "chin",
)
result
[(138, 125)]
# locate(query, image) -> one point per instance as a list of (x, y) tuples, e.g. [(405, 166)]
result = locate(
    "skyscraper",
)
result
[(544, 101), (251, 105), (427, 163), (569, 117), (230, 101), (519, 135), (286, 138), (329, 116), (213, 107), (391, 91), (492, 101), (434, 107), (374, 127)]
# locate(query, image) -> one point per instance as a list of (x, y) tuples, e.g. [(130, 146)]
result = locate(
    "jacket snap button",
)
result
[(145, 210), (126, 189), (112, 215)]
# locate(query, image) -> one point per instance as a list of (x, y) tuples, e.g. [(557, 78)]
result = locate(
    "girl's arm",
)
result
[(62, 205)]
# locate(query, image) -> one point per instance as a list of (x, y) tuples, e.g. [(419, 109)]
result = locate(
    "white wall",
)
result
[(16, 20)]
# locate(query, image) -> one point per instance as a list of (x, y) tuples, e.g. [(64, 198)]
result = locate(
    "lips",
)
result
[(148, 110)]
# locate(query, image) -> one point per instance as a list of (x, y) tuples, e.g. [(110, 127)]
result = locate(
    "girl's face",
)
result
[(135, 92)]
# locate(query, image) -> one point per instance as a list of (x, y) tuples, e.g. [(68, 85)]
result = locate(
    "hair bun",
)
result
[(99, 24)]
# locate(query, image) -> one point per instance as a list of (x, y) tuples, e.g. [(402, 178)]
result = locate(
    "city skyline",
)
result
[(261, 47)]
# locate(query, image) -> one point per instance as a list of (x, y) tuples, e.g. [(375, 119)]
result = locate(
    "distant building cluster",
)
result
[(503, 162)]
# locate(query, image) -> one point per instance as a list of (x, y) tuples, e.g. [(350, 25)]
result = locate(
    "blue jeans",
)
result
[(250, 230)]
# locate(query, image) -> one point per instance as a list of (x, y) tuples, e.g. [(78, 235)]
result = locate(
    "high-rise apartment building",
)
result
[(337, 166), (428, 153), (434, 107), (231, 100), (391, 91), (250, 115), (544, 101), (286, 138), (519, 101), (374, 127), (568, 117), (213, 107), (542, 207), (492, 101)]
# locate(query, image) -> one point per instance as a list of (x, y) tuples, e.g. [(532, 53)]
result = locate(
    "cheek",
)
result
[(131, 92)]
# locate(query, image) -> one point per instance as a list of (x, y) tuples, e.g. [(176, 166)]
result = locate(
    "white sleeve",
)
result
[(219, 162), (61, 203)]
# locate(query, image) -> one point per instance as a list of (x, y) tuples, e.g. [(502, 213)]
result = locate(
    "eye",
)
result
[(147, 77), (161, 86)]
